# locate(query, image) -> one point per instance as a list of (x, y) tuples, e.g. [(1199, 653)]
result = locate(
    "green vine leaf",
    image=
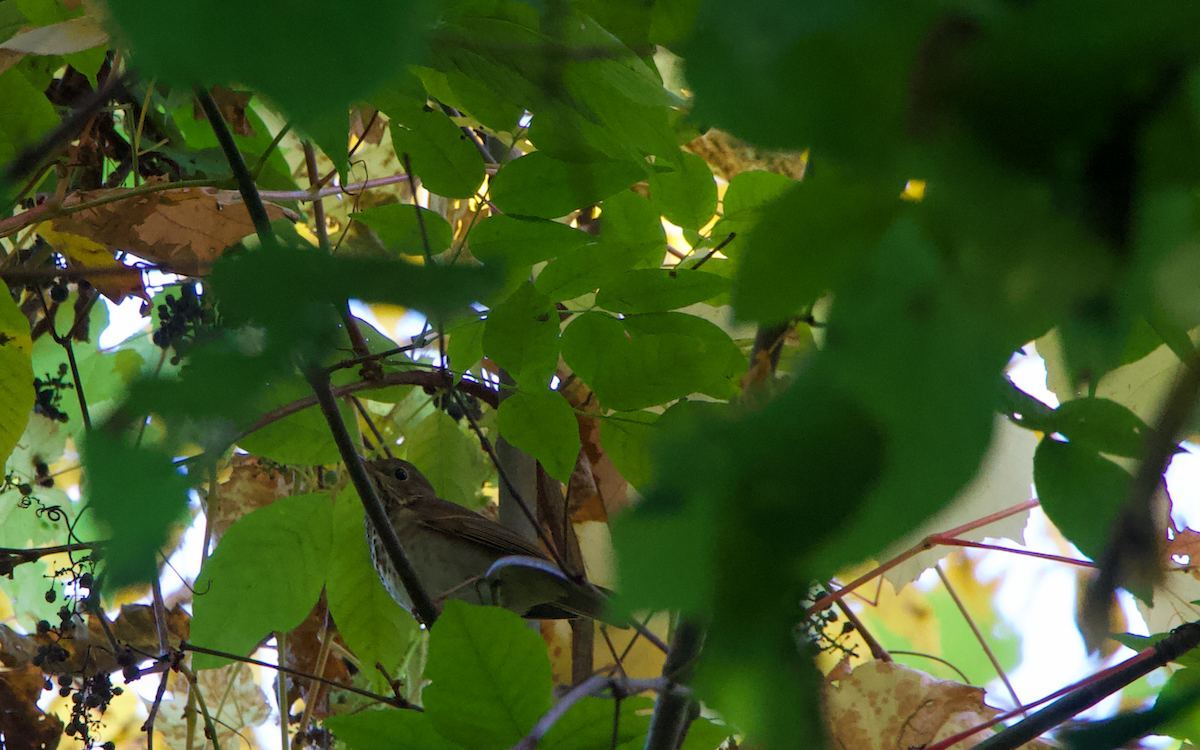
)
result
[(264, 576)]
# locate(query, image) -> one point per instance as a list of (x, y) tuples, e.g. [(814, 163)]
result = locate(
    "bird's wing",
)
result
[(457, 521)]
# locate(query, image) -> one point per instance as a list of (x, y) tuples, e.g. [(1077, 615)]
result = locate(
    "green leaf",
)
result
[(264, 576), (687, 196), (490, 677), (388, 729), (1183, 685), (136, 494), (742, 207), (626, 437), (1081, 491), (805, 243), (628, 218), (585, 269), (469, 95), (1100, 425), (25, 114), (835, 79), (449, 457), (705, 735), (374, 626), (465, 346), (302, 438), (659, 290), (922, 354), (521, 335), (265, 284), (396, 225), (523, 242), (750, 192), (538, 185), (16, 373), (646, 360), (207, 43), (590, 724), (441, 155), (542, 424)]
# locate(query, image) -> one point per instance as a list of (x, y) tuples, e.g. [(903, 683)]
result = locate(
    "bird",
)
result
[(458, 554)]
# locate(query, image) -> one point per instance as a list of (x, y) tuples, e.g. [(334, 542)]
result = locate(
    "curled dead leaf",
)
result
[(184, 228), (887, 706)]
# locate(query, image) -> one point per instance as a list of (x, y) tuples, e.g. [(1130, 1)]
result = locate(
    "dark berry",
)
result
[(64, 680), (86, 580), (51, 595), (118, 690), (64, 691), (25, 489), (43, 627), (109, 745), (131, 673), (59, 293)]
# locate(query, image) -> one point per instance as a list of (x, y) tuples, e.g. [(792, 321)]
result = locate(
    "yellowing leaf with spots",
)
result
[(16, 373)]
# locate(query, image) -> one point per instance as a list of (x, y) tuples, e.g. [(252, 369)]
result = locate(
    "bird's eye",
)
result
[(401, 474)]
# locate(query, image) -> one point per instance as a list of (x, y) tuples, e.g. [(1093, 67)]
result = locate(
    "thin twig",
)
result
[(245, 181), (966, 615), (595, 686), (877, 649), (966, 680), (410, 377), (715, 250), (924, 545), (397, 702)]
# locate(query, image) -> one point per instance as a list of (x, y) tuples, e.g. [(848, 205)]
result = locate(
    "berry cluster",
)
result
[(446, 401), (815, 631), (181, 321), (49, 394), (90, 694), (89, 701)]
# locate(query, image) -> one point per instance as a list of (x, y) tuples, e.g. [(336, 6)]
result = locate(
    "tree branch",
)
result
[(422, 605), (1181, 640)]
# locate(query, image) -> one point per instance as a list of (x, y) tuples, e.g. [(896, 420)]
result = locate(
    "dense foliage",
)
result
[(794, 379)]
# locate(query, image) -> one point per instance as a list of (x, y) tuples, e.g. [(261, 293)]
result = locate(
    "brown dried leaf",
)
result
[(88, 647), (23, 725), (1185, 544), (233, 108), (185, 228), (599, 477), (253, 484), (232, 688), (362, 115), (87, 253), (731, 156), (303, 652), (886, 706), (63, 38)]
